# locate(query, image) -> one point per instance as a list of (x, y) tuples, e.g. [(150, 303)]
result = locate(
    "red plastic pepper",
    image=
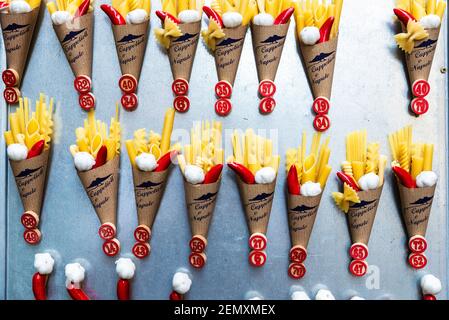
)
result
[(4, 5), (403, 16), (284, 16), (38, 284), (162, 15), (123, 289), (244, 173), (164, 162), (292, 181), (101, 157), (212, 14), (405, 177), (348, 180), (325, 30), (213, 174), (77, 294), (429, 297), (176, 296), (36, 149), (82, 9), (114, 15)]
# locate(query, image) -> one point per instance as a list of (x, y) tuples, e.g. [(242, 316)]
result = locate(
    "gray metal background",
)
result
[(370, 91)]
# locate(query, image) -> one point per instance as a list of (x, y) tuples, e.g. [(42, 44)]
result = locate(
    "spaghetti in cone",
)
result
[(130, 20), (73, 22), (225, 36), (29, 143), (362, 176), (181, 25), (306, 178), (317, 25), (201, 165), (18, 20), (269, 29), (97, 161), (256, 167), (412, 165), (420, 23), (150, 157)]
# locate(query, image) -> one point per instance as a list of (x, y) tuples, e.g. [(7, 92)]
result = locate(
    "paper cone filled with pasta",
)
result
[(18, 20), (179, 35), (307, 175), (130, 21), (150, 156), (96, 157), (412, 166), (269, 29), (225, 36), (256, 168), (317, 25), (201, 164), (73, 22), (29, 143), (420, 22), (362, 176)]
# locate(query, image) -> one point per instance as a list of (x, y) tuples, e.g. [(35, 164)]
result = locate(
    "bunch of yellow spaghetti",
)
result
[(71, 6), (421, 8)]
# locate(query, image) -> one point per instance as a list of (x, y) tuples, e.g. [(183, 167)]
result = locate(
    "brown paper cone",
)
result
[(361, 215), (182, 50), (319, 61), (200, 200), (101, 185), (257, 200), (148, 189), (416, 205), (18, 31), (30, 178), (268, 42), (76, 38), (419, 62), (227, 53), (301, 217), (131, 42)]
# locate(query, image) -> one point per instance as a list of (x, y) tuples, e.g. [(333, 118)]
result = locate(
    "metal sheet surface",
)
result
[(370, 91)]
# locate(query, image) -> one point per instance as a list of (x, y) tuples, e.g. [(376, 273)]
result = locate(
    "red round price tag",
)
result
[(417, 260), (358, 268), (82, 84), (298, 254), (420, 88), (11, 95), (321, 122), (257, 258), (258, 241), (10, 77), (111, 247), (129, 101), (128, 83), (429, 297), (181, 104), (180, 87), (141, 250), (107, 231), (267, 105), (358, 251), (223, 89), (417, 244), (142, 233), (198, 243), (296, 270), (267, 88), (86, 101), (419, 106), (197, 260), (32, 236), (30, 220), (223, 107), (321, 105)]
